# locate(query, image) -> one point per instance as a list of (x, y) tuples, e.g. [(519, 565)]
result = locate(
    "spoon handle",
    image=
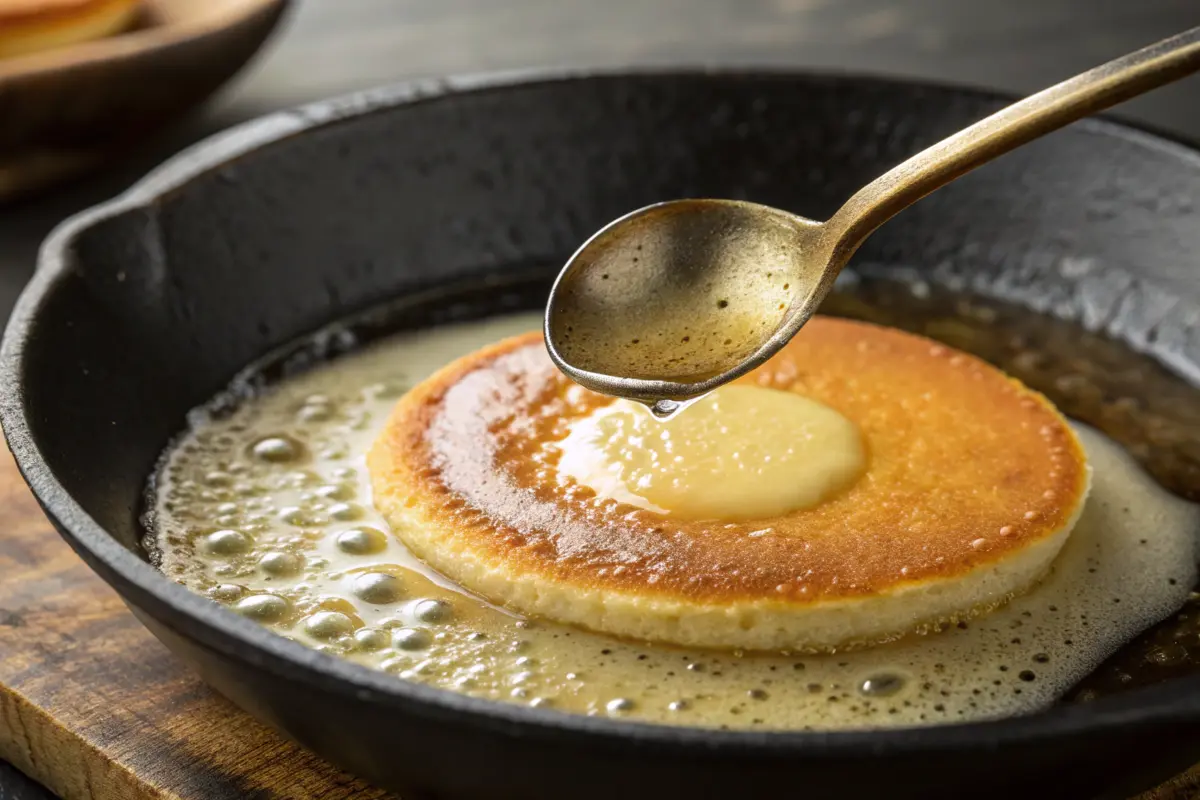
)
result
[(1007, 129)]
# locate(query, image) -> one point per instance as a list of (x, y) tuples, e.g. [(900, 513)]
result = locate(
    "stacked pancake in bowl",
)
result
[(30, 26)]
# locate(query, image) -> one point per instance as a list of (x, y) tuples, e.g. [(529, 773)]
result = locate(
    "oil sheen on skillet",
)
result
[(267, 510)]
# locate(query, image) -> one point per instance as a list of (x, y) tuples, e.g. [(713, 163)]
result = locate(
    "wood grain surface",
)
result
[(93, 707)]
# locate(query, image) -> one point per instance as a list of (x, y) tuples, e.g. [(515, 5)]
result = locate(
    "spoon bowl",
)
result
[(671, 301), (692, 285)]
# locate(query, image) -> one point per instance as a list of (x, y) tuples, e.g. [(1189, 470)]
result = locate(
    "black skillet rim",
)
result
[(217, 628)]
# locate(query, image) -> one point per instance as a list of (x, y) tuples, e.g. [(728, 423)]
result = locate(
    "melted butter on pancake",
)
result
[(973, 486), (303, 565), (743, 452)]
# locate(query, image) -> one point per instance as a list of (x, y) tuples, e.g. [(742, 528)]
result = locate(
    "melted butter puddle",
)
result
[(742, 452), (268, 511)]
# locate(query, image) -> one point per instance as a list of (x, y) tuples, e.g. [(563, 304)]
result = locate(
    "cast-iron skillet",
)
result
[(145, 307)]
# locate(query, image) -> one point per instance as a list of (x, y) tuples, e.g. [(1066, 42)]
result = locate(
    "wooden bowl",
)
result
[(64, 110)]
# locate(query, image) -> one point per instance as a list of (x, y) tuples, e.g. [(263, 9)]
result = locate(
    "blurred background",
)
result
[(328, 47), (82, 105)]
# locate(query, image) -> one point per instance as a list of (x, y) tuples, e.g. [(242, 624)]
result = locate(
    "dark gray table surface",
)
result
[(328, 47)]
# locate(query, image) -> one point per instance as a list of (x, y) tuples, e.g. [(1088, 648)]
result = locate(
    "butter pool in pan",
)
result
[(270, 510)]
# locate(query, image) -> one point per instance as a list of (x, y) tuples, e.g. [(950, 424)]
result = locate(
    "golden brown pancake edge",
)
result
[(968, 470)]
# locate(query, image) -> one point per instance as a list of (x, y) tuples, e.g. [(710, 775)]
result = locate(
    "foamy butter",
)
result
[(742, 452), (268, 511)]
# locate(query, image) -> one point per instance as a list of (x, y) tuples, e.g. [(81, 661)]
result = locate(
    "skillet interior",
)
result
[(144, 309)]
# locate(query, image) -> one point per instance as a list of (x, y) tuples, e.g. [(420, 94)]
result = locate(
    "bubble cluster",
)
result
[(267, 510)]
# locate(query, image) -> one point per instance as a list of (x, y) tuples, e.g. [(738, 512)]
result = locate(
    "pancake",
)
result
[(281, 461), (972, 485), (29, 26)]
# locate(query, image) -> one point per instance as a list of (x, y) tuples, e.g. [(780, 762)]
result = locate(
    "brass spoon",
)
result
[(673, 300)]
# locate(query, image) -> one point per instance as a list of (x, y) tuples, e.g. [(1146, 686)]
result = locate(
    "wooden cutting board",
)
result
[(92, 706)]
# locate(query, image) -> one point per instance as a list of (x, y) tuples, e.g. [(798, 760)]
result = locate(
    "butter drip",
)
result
[(243, 472), (743, 452)]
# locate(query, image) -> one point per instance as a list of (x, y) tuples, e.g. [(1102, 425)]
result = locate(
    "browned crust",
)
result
[(22, 16), (53, 12), (959, 453)]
